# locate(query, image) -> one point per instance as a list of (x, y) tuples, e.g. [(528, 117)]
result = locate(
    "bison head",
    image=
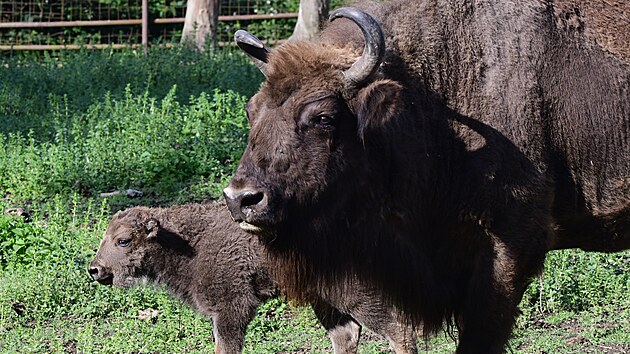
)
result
[(119, 260), (311, 125)]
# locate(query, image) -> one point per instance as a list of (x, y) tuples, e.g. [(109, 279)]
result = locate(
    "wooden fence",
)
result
[(70, 24)]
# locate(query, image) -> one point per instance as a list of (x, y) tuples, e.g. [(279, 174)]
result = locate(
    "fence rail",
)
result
[(156, 21), (62, 24)]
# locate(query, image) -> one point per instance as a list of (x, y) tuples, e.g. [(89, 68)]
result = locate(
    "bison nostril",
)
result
[(240, 201), (93, 271), (251, 199)]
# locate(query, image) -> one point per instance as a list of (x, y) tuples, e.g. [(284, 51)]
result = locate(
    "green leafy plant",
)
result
[(20, 242)]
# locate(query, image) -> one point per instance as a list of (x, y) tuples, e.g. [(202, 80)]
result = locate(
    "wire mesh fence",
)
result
[(271, 20), (50, 24)]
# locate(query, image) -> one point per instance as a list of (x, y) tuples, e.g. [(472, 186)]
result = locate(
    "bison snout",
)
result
[(244, 203), (98, 273)]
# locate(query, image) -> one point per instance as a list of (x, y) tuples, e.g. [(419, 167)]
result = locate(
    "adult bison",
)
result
[(442, 163), (207, 261)]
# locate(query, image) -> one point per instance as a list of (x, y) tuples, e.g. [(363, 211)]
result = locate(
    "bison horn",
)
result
[(153, 227), (374, 48), (254, 48)]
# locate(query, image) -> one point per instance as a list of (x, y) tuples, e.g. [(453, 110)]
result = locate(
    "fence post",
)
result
[(145, 25)]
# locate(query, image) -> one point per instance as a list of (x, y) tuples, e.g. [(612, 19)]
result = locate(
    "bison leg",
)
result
[(491, 304), (401, 337), (485, 326), (229, 328), (609, 233), (384, 320), (343, 330), (486, 332), (345, 338)]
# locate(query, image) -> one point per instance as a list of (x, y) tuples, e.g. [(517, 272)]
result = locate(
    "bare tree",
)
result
[(312, 15), (200, 24)]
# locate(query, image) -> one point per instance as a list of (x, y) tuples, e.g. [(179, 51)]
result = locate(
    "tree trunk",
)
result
[(200, 24), (312, 16)]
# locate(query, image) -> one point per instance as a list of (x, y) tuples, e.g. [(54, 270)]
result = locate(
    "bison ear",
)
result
[(377, 104), (153, 227)]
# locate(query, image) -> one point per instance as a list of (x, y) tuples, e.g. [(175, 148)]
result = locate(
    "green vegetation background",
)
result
[(172, 125)]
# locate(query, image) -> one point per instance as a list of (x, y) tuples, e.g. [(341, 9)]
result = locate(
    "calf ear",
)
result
[(377, 104), (153, 227)]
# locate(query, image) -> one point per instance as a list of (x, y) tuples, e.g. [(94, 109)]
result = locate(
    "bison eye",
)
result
[(123, 242), (325, 121)]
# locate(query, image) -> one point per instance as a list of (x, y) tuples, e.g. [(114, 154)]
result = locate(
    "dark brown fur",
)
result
[(493, 132), (207, 261)]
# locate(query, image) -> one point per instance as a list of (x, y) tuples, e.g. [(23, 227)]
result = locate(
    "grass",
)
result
[(172, 125)]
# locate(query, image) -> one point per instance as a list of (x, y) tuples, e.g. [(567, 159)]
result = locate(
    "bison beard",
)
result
[(443, 168)]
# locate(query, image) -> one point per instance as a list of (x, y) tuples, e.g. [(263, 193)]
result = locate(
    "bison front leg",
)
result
[(485, 327), (494, 291), (229, 328)]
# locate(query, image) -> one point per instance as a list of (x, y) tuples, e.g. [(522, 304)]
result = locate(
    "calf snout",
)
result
[(244, 203), (99, 274)]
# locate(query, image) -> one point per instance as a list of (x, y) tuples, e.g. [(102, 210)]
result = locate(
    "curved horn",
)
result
[(254, 47), (374, 48)]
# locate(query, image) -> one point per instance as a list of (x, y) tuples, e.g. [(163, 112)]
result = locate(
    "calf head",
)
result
[(128, 238), (311, 123)]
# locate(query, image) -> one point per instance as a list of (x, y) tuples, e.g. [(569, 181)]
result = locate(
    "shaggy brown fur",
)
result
[(607, 22), (207, 261), (493, 132)]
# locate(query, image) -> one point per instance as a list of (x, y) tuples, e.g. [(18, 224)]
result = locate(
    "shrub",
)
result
[(130, 142), (40, 95), (581, 281)]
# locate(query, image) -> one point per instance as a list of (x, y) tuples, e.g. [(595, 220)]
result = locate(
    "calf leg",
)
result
[(345, 337), (401, 337), (343, 330), (385, 320), (229, 328)]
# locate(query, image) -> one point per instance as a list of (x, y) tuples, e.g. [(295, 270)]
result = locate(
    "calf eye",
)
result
[(123, 242)]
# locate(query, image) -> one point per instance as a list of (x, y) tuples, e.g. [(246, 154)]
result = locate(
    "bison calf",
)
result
[(206, 260)]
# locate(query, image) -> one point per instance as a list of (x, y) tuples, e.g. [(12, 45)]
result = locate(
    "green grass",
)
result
[(172, 125)]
